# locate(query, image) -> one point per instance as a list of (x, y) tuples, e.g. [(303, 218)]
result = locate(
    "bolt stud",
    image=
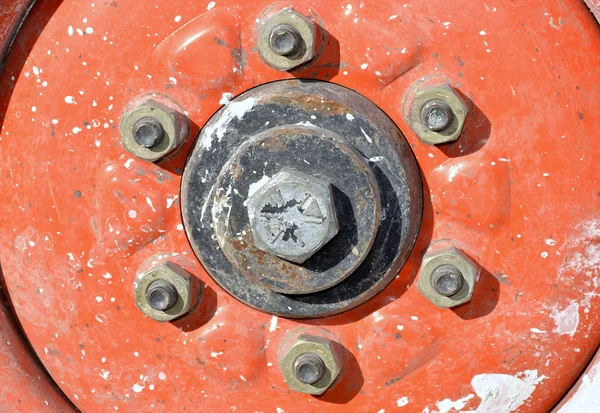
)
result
[(436, 115), (309, 368), (148, 132), (285, 40), (161, 295), (447, 280)]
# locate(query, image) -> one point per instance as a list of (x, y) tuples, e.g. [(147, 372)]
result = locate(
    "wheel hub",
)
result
[(341, 146)]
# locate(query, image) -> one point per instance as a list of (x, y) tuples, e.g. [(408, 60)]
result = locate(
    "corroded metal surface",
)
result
[(371, 167)]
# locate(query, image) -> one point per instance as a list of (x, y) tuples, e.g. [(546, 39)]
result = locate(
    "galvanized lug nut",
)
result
[(161, 295), (148, 132), (293, 216), (309, 368), (165, 292), (152, 130), (311, 364), (447, 280), (285, 40), (447, 277), (436, 115)]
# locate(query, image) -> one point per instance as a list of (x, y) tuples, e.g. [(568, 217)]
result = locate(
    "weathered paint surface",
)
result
[(519, 190)]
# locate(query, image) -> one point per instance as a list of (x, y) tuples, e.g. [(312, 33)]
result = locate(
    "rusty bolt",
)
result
[(437, 115), (286, 39), (152, 130), (292, 216), (447, 277), (311, 364), (164, 292)]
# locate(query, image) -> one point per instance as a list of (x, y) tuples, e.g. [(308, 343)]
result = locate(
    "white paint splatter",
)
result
[(70, 100), (349, 116), (273, 325), (447, 405), (503, 393), (364, 66), (233, 110), (162, 376), (177, 19), (567, 320), (138, 387), (210, 5), (252, 188), (132, 213), (402, 401), (537, 330), (367, 137)]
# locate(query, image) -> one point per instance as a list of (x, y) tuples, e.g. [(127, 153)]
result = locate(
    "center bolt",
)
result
[(285, 40), (161, 295), (437, 115), (447, 280), (309, 368)]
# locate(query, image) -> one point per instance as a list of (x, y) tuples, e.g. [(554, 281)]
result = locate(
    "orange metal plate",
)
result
[(519, 192)]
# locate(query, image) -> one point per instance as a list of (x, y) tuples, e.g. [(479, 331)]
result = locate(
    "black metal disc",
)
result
[(360, 123)]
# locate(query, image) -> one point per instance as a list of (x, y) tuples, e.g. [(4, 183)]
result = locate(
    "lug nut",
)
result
[(148, 132), (285, 40), (161, 295), (153, 128), (447, 280), (309, 368), (166, 291), (436, 115), (447, 277)]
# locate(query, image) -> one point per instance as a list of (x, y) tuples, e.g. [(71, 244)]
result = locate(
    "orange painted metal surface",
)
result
[(518, 192)]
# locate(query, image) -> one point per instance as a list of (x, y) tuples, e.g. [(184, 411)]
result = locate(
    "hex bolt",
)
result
[(309, 368), (447, 277), (436, 115), (293, 215), (166, 291), (148, 132), (311, 364), (153, 128), (161, 295), (447, 280), (285, 40)]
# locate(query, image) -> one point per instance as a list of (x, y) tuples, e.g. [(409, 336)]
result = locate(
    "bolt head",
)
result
[(440, 277), (286, 39), (293, 216), (313, 348), (148, 132)]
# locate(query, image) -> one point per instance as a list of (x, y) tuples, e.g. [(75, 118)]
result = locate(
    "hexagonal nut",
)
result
[(292, 216), (447, 256), (174, 123), (178, 277), (458, 107), (302, 24), (328, 351)]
